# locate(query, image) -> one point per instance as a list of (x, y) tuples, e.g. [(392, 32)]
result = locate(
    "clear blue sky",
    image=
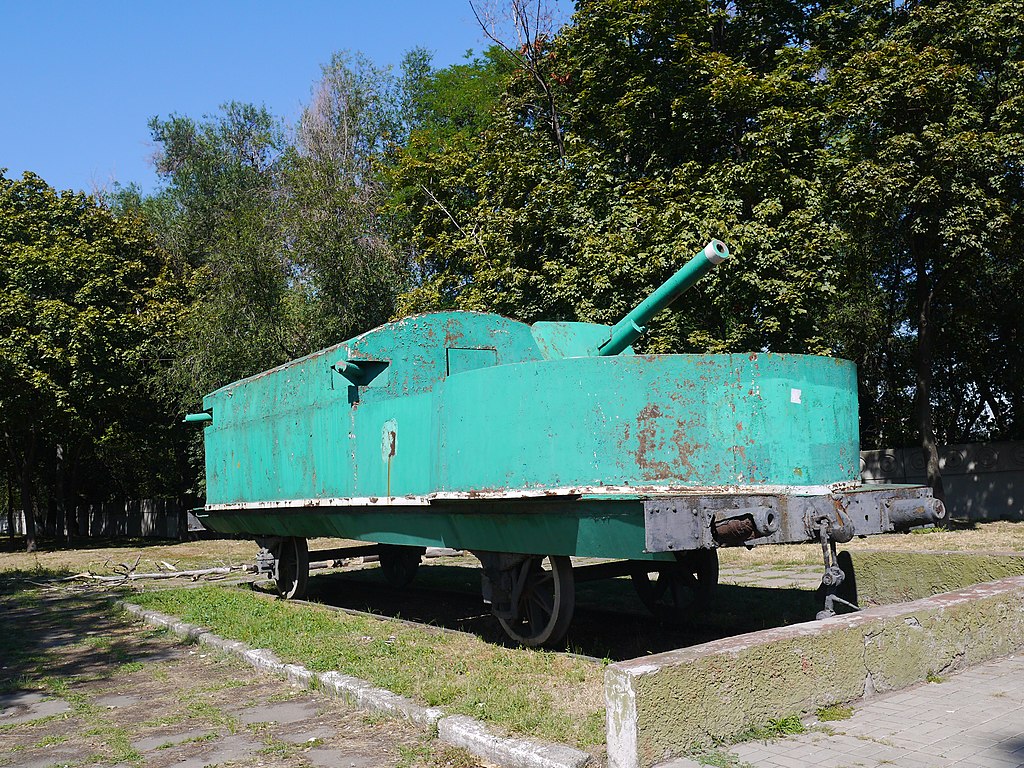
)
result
[(81, 79)]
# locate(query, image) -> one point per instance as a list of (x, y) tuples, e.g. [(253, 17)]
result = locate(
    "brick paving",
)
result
[(974, 719)]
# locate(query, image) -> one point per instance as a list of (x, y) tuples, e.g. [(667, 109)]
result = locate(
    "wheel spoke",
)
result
[(541, 590), (533, 620), (545, 601)]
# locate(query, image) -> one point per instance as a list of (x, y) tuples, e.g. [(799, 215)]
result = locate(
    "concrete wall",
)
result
[(884, 578), (983, 481), (661, 705)]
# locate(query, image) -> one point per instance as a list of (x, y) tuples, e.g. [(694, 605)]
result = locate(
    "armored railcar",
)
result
[(531, 444)]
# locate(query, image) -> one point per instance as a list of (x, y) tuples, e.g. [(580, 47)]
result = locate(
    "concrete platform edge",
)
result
[(661, 705)]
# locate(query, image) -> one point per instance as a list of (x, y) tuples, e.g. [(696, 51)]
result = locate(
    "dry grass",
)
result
[(1001, 537), (103, 559), (994, 537)]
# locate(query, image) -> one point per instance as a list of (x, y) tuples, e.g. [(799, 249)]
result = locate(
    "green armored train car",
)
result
[(530, 444)]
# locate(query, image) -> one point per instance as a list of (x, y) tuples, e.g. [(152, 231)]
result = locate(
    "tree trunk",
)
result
[(28, 467), (10, 507), (63, 529), (49, 517), (25, 466), (925, 349), (69, 489), (28, 510)]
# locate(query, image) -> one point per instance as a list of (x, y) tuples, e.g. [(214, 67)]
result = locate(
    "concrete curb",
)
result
[(457, 730), (472, 735)]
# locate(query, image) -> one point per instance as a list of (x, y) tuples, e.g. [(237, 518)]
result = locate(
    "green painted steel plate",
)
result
[(458, 406)]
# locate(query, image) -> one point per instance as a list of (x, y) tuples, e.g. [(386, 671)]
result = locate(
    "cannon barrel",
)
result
[(634, 324)]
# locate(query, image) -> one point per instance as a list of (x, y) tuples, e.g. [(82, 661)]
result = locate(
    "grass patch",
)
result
[(49, 741), (773, 729), (228, 684), (129, 668), (435, 755), (932, 677), (718, 756), (548, 695), (57, 686), (197, 709), (278, 748), (835, 712), (211, 736), (121, 751), (39, 721), (165, 721)]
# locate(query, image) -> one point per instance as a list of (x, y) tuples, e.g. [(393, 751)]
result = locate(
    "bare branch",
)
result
[(447, 213), (528, 56)]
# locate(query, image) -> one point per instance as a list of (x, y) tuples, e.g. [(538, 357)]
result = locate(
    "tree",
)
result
[(923, 165), (342, 263), (78, 305), (430, 175), (533, 26), (863, 161), (672, 133), (220, 215), (276, 233)]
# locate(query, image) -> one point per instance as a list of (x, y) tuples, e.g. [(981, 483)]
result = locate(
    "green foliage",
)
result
[(218, 215), (923, 144), (342, 266), (85, 297), (668, 142), (277, 234), (863, 162), (278, 231), (74, 304)]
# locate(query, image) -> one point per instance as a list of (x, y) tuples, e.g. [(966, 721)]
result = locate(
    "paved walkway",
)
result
[(785, 577), (974, 719), (80, 686)]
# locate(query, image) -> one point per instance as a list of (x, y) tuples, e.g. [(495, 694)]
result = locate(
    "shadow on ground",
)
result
[(81, 686), (38, 630), (609, 621)]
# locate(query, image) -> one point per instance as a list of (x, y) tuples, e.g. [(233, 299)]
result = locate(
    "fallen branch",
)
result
[(132, 576)]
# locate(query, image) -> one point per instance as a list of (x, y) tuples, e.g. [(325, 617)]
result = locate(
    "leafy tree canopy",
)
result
[(83, 298)]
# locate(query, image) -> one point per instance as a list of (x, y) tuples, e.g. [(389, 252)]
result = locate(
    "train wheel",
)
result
[(547, 599), (677, 591), (399, 564), (292, 568)]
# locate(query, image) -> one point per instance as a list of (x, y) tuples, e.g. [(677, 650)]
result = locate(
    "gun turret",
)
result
[(634, 325)]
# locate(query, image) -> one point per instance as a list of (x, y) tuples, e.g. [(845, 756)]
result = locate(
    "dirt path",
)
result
[(81, 686)]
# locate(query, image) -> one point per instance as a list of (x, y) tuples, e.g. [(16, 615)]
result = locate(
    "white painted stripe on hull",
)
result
[(570, 493)]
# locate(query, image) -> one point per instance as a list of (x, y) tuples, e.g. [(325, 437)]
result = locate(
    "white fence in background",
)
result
[(139, 519)]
